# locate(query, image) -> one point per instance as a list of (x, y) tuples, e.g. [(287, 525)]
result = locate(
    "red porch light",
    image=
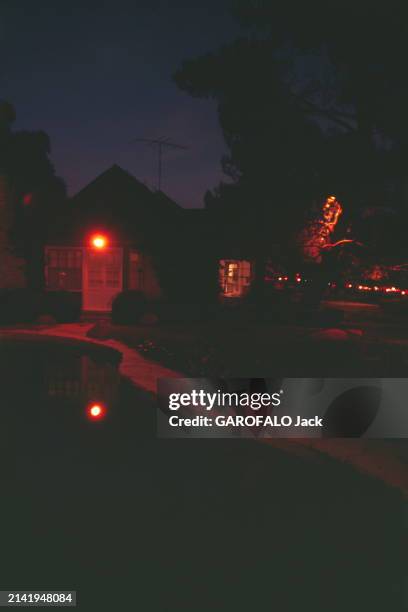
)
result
[(99, 241)]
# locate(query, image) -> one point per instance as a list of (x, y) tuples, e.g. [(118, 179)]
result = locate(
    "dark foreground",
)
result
[(134, 522)]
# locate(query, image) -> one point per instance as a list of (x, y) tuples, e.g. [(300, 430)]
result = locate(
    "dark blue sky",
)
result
[(94, 75)]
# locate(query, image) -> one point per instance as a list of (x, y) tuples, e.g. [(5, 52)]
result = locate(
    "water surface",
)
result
[(135, 522)]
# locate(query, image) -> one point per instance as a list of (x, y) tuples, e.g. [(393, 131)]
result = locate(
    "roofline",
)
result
[(114, 166)]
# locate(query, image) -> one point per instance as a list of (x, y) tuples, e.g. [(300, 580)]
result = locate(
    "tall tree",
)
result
[(305, 107), (272, 149), (364, 90), (37, 194)]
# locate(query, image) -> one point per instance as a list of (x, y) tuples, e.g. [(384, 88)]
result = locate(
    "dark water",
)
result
[(133, 522)]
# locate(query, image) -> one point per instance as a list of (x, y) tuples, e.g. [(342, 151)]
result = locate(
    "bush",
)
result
[(64, 306), (19, 306), (178, 312), (128, 307)]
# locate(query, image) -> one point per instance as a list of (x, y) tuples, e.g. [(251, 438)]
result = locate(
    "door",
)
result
[(103, 277)]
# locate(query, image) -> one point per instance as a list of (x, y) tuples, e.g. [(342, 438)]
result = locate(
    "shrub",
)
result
[(64, 306), (177, 312), (19, 306), (128, 307)]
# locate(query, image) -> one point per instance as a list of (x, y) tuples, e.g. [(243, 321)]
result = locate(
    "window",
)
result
[(235, 277), (63, 268)]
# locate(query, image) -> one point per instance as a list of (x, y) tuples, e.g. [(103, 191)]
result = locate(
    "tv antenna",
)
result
[(160, 143)]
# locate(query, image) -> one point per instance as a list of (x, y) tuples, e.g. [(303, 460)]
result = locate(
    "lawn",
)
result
[(262, 349)]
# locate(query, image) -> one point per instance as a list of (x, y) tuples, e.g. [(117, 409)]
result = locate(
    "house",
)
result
[(117, 234), (115, 231)]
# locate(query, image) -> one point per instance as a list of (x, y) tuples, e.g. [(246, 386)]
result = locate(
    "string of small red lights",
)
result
[(348, 285)]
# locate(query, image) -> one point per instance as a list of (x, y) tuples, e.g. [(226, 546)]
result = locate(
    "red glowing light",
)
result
[(316, 236), (27, 199), (392, 289), (96, 411), (99, 241)]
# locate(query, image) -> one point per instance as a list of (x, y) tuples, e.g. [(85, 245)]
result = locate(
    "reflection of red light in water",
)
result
[(96, 411)]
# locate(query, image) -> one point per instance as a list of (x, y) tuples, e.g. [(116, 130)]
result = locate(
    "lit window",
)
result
[(235, 277)]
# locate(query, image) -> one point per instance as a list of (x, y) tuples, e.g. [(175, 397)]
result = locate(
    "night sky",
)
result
[(94, 75)]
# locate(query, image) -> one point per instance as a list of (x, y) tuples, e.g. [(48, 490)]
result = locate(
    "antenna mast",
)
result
[(160, 143)]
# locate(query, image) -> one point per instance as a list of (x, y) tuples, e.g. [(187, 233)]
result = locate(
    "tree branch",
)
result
[(333, 115)]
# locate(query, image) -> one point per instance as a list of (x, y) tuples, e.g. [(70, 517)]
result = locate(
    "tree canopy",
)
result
[(311, 102), (37, 193)]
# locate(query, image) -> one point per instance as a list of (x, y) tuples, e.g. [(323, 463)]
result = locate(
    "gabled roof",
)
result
[(117, 202), (116, 187)]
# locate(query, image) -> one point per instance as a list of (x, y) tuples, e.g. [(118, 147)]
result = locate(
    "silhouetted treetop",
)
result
[(37, 194), (304, 104), (366, 43)]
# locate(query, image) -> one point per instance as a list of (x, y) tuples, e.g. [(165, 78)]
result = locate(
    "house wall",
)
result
[(64, 270), (142, 275)]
